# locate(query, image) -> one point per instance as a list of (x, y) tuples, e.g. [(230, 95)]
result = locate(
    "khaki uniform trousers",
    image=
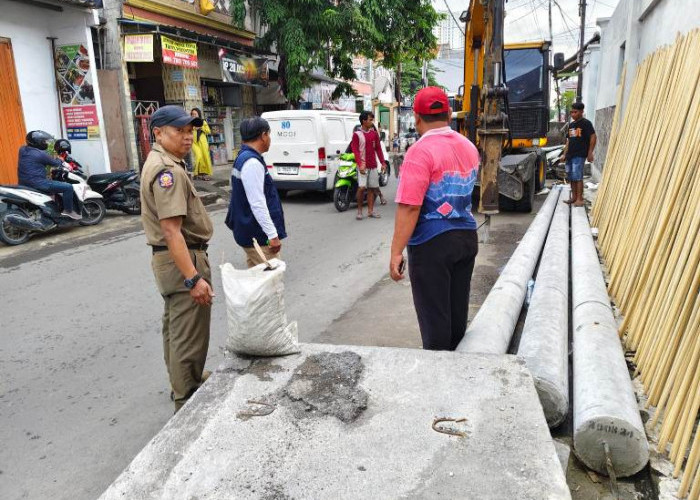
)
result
[(185, 324), (253, 259)]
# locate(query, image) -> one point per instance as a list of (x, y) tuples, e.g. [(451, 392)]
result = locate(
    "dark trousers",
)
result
[(441, 272), (62, 188)]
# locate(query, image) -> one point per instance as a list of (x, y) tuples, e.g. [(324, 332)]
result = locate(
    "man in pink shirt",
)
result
[(434, 220), (366, 146)]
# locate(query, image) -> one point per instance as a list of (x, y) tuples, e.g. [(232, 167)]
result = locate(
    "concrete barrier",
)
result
[(545, 338), (353, 422), (492, 328), (605, 407)]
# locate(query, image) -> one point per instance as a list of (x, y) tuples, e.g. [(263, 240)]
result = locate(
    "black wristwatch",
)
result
[(190, 283)]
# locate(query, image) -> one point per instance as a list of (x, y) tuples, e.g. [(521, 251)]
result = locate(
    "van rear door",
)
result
[(336, 142), (293, 153)]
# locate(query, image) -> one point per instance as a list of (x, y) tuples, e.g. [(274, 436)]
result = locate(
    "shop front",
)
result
[(171, 60)]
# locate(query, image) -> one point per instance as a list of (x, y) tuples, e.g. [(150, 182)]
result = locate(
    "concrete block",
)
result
[(563, 452), (347, 422)]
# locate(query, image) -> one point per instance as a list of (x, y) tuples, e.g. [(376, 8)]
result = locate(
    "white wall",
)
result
[(643, 26), (613, 35), (28, 28), (591, 62)]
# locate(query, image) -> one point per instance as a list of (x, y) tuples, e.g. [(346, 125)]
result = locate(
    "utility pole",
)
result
[(551, 37), (582, 13)]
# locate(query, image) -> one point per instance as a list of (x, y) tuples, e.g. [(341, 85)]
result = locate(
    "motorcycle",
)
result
[(120, 190), (345, 190), (30, 211)]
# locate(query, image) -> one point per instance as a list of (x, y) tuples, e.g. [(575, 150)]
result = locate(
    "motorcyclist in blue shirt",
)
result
[(31, 170)]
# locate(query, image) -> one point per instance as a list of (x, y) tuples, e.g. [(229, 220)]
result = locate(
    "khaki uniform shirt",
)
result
[(167, 191)]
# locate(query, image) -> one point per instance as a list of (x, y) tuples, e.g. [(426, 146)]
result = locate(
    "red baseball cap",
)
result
[(431, 101)]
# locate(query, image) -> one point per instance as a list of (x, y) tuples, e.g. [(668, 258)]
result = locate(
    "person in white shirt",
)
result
[(255, 210)]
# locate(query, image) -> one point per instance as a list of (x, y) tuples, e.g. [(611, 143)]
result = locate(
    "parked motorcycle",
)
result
[(345, 191), (31, 212), (120, 190)]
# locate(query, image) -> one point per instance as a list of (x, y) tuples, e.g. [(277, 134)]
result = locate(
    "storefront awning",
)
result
[(130, 26), (143, 10)]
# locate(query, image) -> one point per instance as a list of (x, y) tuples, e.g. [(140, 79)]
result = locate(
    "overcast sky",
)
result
[(528, 20)]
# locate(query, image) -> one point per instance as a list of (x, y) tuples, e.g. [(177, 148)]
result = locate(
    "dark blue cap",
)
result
[(174, 116)]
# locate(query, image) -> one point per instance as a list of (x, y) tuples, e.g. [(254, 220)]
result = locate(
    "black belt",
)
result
[(192, 246)]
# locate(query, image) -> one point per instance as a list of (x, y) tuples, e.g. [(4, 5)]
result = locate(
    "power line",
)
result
[(563, 18), (537, 22), (453, 17)]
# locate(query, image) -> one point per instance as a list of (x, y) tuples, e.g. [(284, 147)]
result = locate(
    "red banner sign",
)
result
[(80, 116)]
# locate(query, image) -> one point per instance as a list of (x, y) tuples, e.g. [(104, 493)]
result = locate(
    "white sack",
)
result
[(257, 320)]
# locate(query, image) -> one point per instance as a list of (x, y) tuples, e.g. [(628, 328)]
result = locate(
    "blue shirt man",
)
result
[(31, 171)]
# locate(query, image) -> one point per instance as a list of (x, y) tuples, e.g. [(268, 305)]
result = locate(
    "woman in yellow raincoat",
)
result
[(200, 149)]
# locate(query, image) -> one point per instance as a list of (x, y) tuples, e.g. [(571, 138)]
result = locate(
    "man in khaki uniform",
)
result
[(178, 228)]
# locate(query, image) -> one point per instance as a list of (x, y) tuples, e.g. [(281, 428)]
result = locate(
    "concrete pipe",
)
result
[(606, 415), (492, 328), (545, 338)]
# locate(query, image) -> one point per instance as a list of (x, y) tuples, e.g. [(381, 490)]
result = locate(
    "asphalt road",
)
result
[(82, 383)]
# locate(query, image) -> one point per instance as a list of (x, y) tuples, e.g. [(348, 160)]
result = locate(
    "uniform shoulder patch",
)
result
[(166, 179)]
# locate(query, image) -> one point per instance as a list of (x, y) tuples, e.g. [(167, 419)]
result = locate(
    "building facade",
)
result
[(636, 29), (159, 52), (48, 64), (448, 32)]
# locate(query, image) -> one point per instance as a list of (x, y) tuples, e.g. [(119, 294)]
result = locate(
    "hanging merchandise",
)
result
[(206, 6)]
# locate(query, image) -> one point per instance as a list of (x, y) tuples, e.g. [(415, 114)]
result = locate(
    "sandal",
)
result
[(382, 201), (374, 216), (359, 217)]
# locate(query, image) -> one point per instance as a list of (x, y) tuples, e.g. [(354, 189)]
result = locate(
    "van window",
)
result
[(294, 131), (335, 130)]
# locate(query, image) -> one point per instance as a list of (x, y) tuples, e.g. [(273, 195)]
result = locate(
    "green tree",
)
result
[(310, 34), (413, 72), (566, 100), (403, 31)]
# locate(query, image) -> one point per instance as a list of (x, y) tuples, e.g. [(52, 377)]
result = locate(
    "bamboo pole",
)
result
[(648, 216)]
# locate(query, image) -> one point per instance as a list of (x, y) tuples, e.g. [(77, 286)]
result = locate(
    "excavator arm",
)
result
[(486, 123)]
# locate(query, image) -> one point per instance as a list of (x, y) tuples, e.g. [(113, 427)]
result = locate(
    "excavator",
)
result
[(504, 109)]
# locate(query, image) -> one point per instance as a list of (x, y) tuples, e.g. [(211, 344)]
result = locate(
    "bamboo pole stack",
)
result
[(648, 216)]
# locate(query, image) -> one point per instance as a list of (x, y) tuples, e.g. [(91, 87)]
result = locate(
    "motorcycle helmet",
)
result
[(39, 139), (62, 146)]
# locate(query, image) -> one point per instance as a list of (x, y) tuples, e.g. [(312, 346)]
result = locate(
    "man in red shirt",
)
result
[(434, 219), (366, 146)]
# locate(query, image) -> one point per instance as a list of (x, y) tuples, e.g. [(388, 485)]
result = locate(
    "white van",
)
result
[(306, 145)]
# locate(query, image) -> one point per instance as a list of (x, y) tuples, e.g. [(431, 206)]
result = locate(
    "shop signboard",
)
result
[(179, 53), (237, 68), (76, 91), (138, 48)]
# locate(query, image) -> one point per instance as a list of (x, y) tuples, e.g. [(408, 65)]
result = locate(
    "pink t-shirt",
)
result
[(438, 173)]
